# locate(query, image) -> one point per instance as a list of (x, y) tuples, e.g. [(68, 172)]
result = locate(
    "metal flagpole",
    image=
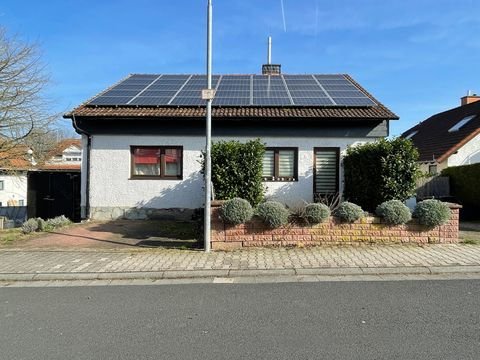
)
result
[(209, 96)]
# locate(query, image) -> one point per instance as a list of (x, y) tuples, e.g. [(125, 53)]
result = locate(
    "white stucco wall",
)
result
[(110, 163), (467, 154), (83, 177), (14, 188)]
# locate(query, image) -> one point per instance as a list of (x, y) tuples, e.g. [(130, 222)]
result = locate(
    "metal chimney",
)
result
[(269, 55), (269, 68)]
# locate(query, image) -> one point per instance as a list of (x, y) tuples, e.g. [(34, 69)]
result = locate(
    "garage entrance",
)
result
[(54, 193)]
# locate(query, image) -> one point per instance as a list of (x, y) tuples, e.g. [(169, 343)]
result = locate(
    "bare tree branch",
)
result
[(25, 115)]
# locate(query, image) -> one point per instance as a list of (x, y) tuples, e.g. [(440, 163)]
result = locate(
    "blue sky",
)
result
[(417, 57)]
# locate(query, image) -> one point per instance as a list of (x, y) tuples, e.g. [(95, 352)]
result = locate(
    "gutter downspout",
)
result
[(87, 176)]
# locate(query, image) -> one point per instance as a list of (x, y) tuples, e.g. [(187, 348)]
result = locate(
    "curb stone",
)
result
[(226, 274)]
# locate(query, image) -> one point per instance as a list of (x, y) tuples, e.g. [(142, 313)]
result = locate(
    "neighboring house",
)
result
[(50, 186), (13, 177), (449, 138), (143, 137), (66, 155)]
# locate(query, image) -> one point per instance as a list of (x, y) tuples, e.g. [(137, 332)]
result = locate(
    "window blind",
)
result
[(269, 164), (286, 163), (326, 165)]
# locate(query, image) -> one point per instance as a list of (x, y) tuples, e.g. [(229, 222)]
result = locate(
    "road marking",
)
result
[(220, 280)]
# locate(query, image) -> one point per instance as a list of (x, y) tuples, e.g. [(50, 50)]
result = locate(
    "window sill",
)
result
[(155, 178), (280, 179)]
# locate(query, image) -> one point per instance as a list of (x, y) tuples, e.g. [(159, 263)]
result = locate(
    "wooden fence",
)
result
[(433, 187)]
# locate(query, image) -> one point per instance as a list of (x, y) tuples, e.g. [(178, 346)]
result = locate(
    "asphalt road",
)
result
[(322, 320)]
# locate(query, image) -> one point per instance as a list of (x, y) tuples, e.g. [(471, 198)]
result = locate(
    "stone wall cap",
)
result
[(454, 205)]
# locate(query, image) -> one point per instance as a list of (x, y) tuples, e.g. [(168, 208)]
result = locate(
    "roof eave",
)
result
[(458, 145)]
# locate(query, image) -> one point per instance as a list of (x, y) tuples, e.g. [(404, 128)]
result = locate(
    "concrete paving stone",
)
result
[(454, 269), (330, 271), (176, 274), (65, 276), (395, 270), (257, 272)]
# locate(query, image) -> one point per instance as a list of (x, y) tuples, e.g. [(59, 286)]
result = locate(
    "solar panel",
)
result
[(271, 101), (235, 90), (110, 100), (354, 101), (150, 100)]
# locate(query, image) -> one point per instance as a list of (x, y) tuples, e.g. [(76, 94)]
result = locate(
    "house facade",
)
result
[(46, 187), (449, 138), (143, 138)]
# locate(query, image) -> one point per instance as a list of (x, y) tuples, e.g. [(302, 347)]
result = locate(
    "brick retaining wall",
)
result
[(368, 230)]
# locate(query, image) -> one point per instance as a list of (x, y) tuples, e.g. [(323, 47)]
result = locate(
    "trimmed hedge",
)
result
[(380, 171), (349, 212), (273, 213), (394, 212), (316, 213), (237, 170), (432, 212), (464, 186), (236, 211)]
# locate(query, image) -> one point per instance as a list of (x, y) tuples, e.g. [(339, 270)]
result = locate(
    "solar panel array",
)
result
[(235, 90)]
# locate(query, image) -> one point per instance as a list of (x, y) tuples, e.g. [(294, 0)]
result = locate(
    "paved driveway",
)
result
[(120, 234)]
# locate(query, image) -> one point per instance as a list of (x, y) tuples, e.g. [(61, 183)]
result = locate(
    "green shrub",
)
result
[(316, 213), (394, 212), (464, 187), (432, 212), (58, 221), (236, 211), (273, 213), (349, 212), (29, 226), (380, 171), (42, 224), (237, 170)]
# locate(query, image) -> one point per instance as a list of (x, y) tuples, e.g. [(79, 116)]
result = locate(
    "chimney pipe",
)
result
[(269, 68), (469, 98), (269, 55)]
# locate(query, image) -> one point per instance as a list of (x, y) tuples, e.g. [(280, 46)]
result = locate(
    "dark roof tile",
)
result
[(435, 142)]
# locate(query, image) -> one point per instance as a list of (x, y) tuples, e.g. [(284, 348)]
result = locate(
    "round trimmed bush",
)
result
[(42, 224), (349, 212), (236, 211), (432, 212), (273, 213), (29, 226), (316, 213), (394, 212)]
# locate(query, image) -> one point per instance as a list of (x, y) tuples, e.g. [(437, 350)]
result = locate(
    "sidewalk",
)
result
[(20, 264)]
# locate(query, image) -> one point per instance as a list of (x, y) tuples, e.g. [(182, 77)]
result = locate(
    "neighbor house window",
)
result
[(157, 162), (2, 184), (326, 166), (21, 202), (432, 169), (280, 164)]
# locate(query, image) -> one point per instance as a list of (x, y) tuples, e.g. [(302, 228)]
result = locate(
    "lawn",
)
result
[(8, 236)]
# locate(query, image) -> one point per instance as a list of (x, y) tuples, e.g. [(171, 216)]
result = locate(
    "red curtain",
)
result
[(146, 155)]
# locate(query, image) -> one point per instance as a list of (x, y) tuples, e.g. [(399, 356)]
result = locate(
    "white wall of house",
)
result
[(14, 189), (110, 166), (467, 154), (83, 177)]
